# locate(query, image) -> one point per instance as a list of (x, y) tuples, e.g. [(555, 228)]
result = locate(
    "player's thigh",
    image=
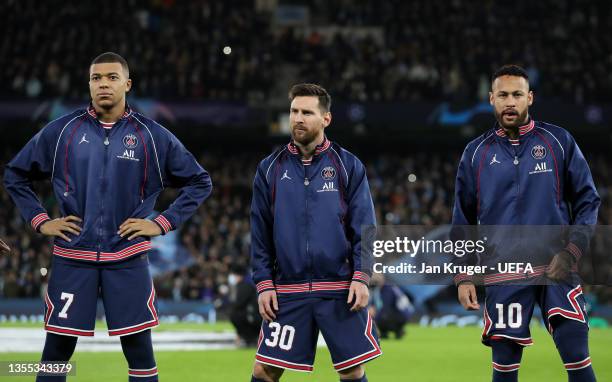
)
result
[(350, 336), (508, 311), (289, 342), (129, 297), (562, 301), (71, 298)]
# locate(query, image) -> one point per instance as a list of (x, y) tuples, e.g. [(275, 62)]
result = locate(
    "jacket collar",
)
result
[(523, 130), (325, 145), (92, 111)]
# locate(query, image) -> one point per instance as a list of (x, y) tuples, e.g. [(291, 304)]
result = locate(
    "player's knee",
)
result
[(571, 339), (354, 372), (266, 372)]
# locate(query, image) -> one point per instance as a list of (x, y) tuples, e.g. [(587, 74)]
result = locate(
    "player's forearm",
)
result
[(190, 197), (19, 187)]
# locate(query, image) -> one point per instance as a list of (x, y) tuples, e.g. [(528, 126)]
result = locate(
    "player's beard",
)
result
[(305, 138), (520, 120)]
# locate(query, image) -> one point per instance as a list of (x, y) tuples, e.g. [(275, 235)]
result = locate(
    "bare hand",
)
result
[(57, 227), (268, 304), (559, 267), (138, 227), (467, 296), (4, 248), (359, 292)]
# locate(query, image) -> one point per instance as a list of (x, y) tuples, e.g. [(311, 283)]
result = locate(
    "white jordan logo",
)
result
[(494, 160), (83, 139), (285, 176)]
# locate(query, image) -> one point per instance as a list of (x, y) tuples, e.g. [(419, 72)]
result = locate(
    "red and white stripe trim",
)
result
[(496, 278), (91, 111), (487, 322), (576, 314), (578, 365), (526, 341), (506, 368), (283, 364), (142, 372), (78, 254), (143, 326), (317, 286), (361, 276), (318, 150), (62, 329), (365, 357), (522, 129), (107, 125), (164, 223), (264, 285), (574, 250), (462, 277), (39, 219)]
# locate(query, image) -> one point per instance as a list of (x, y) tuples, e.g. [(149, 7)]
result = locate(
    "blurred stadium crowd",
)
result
[(390, 50), (361, 50), (411, 189)]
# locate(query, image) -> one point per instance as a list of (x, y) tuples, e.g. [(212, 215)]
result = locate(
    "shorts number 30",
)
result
[(281, 336)]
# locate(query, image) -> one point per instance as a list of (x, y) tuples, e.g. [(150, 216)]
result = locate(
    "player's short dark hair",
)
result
[(312, 90), (510, 70), (110, 57)]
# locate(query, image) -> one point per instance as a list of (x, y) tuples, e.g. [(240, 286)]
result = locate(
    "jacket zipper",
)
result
[(518, 182), (104, 163), (306, 183)]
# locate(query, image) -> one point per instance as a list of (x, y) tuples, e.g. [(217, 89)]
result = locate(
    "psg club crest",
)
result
[(130, 141), (328, 173), (538, 152)]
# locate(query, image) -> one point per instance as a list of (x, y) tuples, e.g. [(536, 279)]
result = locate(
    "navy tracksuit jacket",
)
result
[(105, 176), (306, 221), (541, 178)]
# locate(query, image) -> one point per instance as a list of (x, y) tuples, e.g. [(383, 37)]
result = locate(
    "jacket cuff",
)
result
[(361, 277), (265, 285), (163, 223), (462, 277), (574, 250), (160, 226), (38, 220)]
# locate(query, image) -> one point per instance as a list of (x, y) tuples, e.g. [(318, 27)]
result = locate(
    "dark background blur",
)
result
[(409, 82)]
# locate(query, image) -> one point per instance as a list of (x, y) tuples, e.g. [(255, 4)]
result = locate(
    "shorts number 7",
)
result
[(69, 297)]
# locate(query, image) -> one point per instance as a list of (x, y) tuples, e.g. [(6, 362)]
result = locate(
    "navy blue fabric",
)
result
[(105, 184), (306, 220), (559, 301), (126, 290), (138, 351), (350, 336), (57, 348)]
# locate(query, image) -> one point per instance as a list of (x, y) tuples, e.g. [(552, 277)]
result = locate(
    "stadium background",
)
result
[(409, 82)]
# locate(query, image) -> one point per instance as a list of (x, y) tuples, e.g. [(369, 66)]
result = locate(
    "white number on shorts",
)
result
[(281, 336), (69, 297), (515, 316)]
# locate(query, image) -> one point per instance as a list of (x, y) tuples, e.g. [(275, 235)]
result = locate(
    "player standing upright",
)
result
[(526, 172), (310, 201), (107, 165)]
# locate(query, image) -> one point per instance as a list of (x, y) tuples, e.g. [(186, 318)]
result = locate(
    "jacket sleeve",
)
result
[(464, 209), (182, 171), (583, 200), (33, 162), (262, 243), (360, 215)]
